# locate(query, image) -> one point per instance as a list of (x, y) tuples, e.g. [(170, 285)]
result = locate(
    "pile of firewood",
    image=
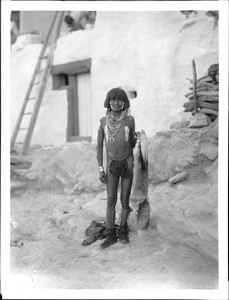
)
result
[(204, 96)]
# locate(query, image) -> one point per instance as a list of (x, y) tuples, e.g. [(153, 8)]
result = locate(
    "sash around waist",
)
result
[(123, 168)]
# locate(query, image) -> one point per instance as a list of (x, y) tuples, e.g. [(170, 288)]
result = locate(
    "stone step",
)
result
[(17, 185), (24, 174), (20, 172), (22, 161)]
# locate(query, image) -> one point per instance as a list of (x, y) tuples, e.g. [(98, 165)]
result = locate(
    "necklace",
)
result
[(113, 127)]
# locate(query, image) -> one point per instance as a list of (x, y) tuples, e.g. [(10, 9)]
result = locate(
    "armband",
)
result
[(101, 169)]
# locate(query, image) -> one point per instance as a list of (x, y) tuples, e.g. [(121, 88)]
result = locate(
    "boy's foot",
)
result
[(123, 234), (124, 239), (107, 243), (110, 238)]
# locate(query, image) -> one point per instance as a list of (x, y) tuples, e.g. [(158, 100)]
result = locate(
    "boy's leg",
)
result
[(126, 184), (112, 189)]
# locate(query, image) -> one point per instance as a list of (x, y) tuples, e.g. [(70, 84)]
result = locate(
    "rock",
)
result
[(166, 133), (13, 224), (99, 204), (185, 149), (16, 243), (17, 185), (215, 129), (20, 172), (181, 124), (210, 150), (64, 216), (199, 120), (31, 175), (21, 161), (26, 174), (72, 168), (178, 177), (187, 213)]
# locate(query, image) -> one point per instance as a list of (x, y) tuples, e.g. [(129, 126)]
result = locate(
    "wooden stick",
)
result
[(205, 84), (210, 98), (207, 111), (189, 104), (188, 109), (208, 93), (207, 98), (188, 94), (199, 88), (194, 86), (211, 105), (214, 106), (186, 104)]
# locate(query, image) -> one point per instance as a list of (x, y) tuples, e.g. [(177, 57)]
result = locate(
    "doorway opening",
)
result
[(76, 78)]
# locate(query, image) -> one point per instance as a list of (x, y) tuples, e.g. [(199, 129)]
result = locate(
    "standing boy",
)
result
[(117, 129)]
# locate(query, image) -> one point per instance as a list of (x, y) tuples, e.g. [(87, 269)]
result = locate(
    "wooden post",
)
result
[(194, 86)]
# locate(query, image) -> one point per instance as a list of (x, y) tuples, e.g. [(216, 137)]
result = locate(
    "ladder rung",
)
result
[(24, 128), (44, 56), (35, 83), (28, 113), (41, 70), (32, 98), (19, 143)]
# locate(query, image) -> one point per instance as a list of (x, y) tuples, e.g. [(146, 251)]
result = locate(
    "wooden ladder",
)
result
[(36, 89)]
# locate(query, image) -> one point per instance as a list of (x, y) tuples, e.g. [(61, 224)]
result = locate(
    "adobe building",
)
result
[(148, 54)]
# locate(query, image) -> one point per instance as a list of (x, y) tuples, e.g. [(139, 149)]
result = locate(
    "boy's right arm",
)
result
[(100, 137)]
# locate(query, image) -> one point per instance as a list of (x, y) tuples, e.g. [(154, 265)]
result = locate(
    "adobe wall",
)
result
[(146, 52)]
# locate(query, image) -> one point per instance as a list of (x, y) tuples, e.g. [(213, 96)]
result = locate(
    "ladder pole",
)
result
[(15, 132), (42, 89), (29, 133), (56, 34)]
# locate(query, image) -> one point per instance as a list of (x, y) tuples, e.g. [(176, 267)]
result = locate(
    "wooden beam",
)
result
[(72, 68)]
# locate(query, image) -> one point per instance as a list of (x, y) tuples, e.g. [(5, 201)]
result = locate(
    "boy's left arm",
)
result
[(132, 132)]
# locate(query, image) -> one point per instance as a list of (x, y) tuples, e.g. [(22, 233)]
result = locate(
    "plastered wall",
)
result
[(149, 53)]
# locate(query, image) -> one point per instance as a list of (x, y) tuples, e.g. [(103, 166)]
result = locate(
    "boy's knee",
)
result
[(111, 202), (125, 203), (125, 206)]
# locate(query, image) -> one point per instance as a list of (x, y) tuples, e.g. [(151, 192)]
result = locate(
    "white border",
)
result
[(115, 5), (222, 6)]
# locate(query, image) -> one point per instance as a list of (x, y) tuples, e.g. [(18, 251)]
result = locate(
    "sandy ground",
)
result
[(49, 229)]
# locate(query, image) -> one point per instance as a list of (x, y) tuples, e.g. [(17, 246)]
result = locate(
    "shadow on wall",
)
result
[(14, 26)]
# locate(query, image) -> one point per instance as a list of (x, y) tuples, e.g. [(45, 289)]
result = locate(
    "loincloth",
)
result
[(120, 169)]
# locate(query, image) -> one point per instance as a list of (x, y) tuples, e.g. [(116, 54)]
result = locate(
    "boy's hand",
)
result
[(102, 177)]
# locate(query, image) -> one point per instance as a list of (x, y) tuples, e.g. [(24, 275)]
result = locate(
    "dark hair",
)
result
[(68, 19), (212, 71), (117, 93)]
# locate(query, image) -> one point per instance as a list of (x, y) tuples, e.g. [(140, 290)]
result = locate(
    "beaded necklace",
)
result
[(113, 124)]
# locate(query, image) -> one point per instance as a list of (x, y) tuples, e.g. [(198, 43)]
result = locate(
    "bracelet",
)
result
[(101, 169)]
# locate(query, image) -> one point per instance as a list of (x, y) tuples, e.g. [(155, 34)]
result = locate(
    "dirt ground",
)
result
[(47, 230)]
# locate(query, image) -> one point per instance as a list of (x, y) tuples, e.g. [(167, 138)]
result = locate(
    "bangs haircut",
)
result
[(119, 94)]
